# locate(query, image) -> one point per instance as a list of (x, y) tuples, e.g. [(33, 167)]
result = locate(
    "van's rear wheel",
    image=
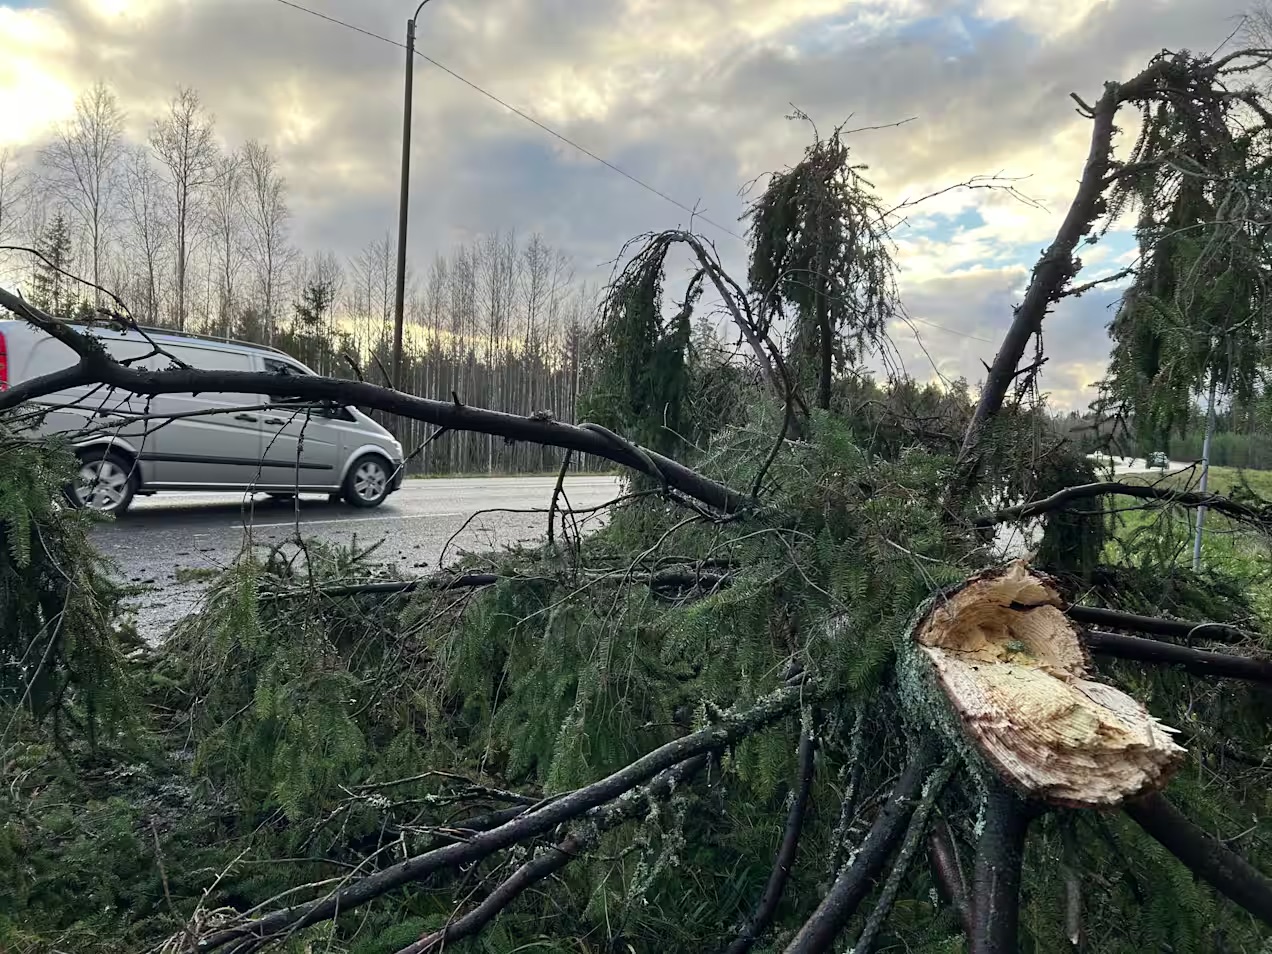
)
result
[(367, 483), (106, 482)]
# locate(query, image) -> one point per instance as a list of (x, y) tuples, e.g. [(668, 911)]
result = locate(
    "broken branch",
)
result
[(854, 882), (1204, 855), (763, 916), (95, 367)]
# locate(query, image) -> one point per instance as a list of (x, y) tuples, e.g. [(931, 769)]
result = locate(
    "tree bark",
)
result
[(1156, 625), (996, 881), (855, 881), (1198, 661)]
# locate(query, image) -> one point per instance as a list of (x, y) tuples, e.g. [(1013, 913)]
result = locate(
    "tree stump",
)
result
[(1003, 673)]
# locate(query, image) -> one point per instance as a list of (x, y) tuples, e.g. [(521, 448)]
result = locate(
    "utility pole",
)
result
[(1205, 471), (399, 290)]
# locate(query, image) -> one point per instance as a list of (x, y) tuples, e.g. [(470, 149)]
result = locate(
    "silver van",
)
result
[(131, 444)]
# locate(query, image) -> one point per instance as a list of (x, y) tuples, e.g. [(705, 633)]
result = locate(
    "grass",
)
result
[(1144, 533)]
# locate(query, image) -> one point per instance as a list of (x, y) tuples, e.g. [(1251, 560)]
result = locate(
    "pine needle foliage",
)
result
[(821, 257), (62, 643), (1198, 310)]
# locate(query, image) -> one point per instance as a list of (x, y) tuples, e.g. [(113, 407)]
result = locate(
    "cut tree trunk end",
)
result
[(1013, 673)]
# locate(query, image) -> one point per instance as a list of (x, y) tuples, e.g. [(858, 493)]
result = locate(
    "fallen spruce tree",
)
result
[(789, 697)]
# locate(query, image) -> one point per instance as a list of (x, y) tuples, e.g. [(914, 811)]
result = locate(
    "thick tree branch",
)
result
[(1057, 266), (1156, 625), (1204, 855), (1198, 661), (1183, 498), (731, 727), (553, 859), (767, 908), (996, 881), (948, 873), (854, 882), (95, 367), (901, 865)]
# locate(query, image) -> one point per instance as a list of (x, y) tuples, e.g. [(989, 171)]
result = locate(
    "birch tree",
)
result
[(227, 226), (267, 216), (183, 141), (149, 236), (80, 163)]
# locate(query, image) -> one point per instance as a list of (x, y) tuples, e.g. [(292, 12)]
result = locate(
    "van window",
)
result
[(132, 351), (207, 359)]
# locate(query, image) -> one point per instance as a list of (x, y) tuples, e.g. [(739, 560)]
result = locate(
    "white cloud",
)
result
[(689, 96)]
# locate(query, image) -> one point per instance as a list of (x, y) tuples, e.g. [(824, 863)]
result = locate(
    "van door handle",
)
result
[(245, 417), (275, 420)]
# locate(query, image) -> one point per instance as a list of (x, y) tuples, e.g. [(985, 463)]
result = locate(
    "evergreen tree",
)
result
[(821, 257), (51, 288)]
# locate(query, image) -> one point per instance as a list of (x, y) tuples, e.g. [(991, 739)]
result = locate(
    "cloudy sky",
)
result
[(689, 96)]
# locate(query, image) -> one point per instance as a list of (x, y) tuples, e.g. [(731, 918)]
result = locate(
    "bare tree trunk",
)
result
[(80, 164), (183, 142)]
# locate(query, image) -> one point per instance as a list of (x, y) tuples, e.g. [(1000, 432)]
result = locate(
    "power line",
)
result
[(563, 138), (517, 112), (952, 331)]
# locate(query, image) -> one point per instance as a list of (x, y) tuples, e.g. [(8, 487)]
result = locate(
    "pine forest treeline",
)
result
[(195, 234)]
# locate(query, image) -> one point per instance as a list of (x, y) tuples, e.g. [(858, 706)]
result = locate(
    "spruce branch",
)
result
[(855, 881), (731, 727), (1206, 856), (762, 917)]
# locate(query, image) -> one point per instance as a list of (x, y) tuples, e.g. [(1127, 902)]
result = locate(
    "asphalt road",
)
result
[(170, 542)]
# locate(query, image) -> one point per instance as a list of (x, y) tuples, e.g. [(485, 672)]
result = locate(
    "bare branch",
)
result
[(582, 839), (1204, 855), (854, 882), (763, 915), (900, 867), (947, 872), (96, 367), (731, 727), (1198, 661), (1156, 625), (1184, 498)]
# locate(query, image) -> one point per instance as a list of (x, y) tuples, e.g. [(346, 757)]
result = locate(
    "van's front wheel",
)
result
[(106, 482), (367, 483)]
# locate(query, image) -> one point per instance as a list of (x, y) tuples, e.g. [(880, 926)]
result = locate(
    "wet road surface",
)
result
[(170, 543)]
